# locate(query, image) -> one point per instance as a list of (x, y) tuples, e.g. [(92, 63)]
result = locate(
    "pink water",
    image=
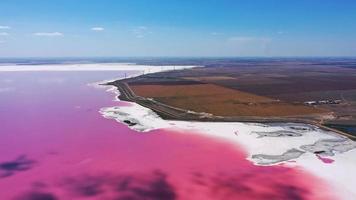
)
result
[(325, 160), (54, 144)]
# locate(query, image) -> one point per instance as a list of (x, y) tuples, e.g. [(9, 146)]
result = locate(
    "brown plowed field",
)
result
[(220, 101)]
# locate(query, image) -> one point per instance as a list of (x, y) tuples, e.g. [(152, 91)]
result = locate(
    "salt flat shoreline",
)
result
[(90, 67), (174, 113)]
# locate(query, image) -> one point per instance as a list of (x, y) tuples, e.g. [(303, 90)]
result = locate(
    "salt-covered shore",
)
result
[(143, 69), (325, 154)]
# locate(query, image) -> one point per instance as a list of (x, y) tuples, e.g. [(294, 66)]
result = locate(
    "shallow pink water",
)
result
[(54, 144), (325, 160)]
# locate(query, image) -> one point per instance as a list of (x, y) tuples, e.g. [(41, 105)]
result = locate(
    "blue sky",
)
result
[(75, 28)]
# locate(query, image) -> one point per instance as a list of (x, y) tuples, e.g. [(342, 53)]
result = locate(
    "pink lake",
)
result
[(54, 144)]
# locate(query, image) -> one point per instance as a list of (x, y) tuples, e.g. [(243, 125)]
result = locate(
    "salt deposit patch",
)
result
[(92, 67), (273, 142), (330, 147), (262, 159), (137, 117)]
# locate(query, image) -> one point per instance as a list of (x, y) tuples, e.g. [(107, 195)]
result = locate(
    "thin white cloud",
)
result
[(142, 27), (3, 34), (98, 29), (282, 32), (216, 33), (48, 34), (240, 39), (5, 27), (141, 31)]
